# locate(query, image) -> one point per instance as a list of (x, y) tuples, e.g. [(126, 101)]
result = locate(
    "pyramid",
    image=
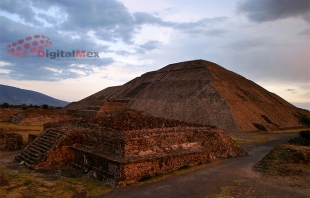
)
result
[(195, 91)]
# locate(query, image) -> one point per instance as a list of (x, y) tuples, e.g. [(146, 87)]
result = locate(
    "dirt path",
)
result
[(228, 178), (8, 157)]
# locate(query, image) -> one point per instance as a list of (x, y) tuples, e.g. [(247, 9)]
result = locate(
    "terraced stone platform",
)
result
[(123, 149)]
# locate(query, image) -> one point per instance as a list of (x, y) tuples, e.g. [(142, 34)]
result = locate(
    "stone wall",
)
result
[(10, 141), (32, 137), (120, 158)]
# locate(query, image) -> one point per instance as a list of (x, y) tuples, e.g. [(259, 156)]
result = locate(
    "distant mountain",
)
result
[(15, 96)]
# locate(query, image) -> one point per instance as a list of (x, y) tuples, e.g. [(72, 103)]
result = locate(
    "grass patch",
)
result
[(27, 185), (149, 177), (290, 130), (252, 139), (11, 125), (23, 130)]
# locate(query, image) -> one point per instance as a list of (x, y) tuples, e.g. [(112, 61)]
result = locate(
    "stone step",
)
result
[(53, 135), (33, 150), (27, 161), (137, 90), (29, 157), (33, 153), (47, 137), (43, 147), (38, 148), (46, 142), (95, 108)]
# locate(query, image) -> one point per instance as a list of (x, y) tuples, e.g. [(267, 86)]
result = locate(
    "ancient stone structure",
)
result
[(123, 149), (195, 91), (10, 141)]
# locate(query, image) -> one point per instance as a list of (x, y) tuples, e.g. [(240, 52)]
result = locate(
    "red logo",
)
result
[(31, 44)]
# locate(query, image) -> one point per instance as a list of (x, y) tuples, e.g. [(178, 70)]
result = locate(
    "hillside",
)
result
[(15, 96)]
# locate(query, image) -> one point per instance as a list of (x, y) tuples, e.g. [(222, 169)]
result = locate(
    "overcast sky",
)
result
[(266, 41)]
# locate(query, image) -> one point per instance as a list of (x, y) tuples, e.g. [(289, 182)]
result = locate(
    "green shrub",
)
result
[(303, 139), (305, 120)]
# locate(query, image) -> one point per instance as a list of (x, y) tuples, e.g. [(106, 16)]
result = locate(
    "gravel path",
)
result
[(227, 178)]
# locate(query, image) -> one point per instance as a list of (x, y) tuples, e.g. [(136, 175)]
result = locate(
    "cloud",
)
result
[(305, 31), (251, 43), (293, 91), (196, 27), (148, 46), (271, 10), (97, 26), (20, 8), (47, 18), (110, 19), (216, 32)]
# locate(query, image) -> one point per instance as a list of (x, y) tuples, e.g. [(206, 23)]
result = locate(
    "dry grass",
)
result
[(28, 185), (252, 139), (291, 130), (23, 130)]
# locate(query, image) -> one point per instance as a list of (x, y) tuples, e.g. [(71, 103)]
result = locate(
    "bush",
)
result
[(305, 120), (303, 139), (45, 106)]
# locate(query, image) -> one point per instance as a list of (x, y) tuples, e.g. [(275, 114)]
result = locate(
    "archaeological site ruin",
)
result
[(195, 91), (124, 149), (159, 122)]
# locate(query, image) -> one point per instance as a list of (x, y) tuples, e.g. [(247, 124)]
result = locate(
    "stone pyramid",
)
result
[(195, 91)]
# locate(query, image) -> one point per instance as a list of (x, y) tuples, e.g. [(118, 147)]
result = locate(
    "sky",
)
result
[(266, 41)]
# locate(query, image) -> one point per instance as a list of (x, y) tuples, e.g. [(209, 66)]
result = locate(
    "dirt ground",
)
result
[(20, 182)]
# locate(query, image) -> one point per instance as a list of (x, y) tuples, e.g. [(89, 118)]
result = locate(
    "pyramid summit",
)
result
[(195, 91)]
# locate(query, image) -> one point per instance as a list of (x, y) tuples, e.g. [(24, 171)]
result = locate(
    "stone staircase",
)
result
[(40, 147), (137, 90)]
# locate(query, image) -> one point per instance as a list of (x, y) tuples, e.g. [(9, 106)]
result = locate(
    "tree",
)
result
[(45, 106), (5, 105), (24, 106)]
